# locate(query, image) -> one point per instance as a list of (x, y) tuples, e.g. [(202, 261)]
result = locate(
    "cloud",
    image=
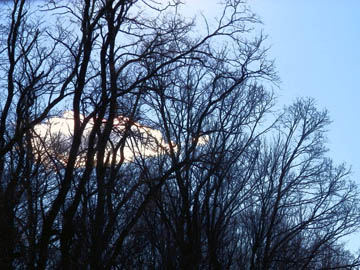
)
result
[(53, 139)]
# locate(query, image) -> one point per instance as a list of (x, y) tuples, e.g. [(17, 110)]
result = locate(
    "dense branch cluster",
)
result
[(173, 157)]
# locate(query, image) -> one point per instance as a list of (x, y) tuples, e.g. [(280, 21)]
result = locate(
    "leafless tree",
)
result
[(215, 192), (301, 202)]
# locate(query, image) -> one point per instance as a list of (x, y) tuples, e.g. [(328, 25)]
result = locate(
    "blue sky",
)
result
[(316, 47)]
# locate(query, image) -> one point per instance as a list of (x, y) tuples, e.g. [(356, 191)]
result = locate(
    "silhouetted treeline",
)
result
[(173, 157)]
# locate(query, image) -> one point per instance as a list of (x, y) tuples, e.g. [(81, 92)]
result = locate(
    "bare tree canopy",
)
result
[(129, 139)]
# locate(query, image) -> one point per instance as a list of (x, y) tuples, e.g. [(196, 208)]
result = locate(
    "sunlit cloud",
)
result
[(53, 139)]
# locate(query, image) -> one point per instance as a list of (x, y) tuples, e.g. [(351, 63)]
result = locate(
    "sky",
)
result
[(316, 47)]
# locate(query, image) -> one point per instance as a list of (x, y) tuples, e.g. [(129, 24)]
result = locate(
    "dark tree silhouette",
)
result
[(165, 160)]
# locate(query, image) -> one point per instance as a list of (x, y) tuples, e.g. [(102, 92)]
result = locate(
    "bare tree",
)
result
[(301, 203), (204, 188)]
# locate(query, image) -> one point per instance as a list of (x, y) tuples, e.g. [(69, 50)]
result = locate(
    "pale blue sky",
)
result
[(316, 45)]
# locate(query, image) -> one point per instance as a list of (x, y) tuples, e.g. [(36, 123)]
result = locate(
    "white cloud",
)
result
[(52, 140)]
